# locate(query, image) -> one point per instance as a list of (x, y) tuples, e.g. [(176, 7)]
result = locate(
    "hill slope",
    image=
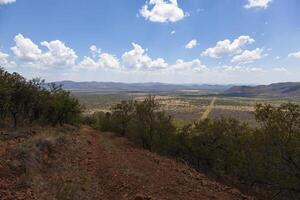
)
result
[(288, 89), (95, 165)]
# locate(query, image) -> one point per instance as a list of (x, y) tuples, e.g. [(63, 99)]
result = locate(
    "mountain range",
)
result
[(279, 90), (136, 87)]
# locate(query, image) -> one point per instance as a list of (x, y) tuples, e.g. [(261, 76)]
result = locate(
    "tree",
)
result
[(280, 145), (30, 101), (63, 107), (122, 114)]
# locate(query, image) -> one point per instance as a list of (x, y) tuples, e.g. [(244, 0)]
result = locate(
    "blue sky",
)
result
[(183, 41)]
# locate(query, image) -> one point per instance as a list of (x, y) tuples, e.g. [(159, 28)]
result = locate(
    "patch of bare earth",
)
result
[(94, 165)]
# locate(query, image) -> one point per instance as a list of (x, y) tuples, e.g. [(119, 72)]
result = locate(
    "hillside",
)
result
[(128, 87), (65, 163), (281, 90)]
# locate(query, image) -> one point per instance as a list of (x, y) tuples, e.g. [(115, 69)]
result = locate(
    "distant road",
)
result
[(209, 109)]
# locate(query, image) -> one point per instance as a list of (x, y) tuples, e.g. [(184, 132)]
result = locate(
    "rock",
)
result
[(142, 197), (69, 128), (16, 166), (234, 192)]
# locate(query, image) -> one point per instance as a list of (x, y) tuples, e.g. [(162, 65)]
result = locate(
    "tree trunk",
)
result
[(15, 119)]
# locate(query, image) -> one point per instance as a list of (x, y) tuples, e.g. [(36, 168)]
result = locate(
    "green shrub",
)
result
[(266, 157), (26, 102)]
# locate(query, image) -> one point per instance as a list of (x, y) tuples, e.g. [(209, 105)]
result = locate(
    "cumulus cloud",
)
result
[(94, 50), (195, 65), (137, 58), (25, 49), (248, 56), (227, 47), (162, 11), (295, 55), (191, 44), (258, 4), (7, 1), (5, 62), (173, 32), (104, 61), (58, 53)]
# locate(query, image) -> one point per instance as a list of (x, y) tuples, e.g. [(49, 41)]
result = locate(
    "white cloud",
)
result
[(5, 62), (173, 32), (99, 60), (109, 60), (7, 1), (58, 54), (94, 50), (248, 56), (25, 49), (195, 65), (277, 58), (88, 63), (258, 4), (162, 11), (191, 44), (228, 68), (280, 69), (295, 55), (227, 47), (137, 58), (104, 61)]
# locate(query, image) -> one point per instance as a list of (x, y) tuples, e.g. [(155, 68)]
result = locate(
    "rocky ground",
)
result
[(84, 164)]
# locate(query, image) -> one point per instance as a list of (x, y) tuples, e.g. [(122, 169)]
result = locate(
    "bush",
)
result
[(265, 157), (23, 102), (142, 122)]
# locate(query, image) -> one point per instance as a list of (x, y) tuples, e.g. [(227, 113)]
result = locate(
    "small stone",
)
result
[(142, 197)]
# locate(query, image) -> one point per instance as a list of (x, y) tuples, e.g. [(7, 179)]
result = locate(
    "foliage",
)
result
[(24, 102), (267, 156), (142, 122)]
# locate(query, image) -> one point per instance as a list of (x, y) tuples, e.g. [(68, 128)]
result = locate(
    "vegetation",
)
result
[(142, 121), (266, 156), (27, 102)]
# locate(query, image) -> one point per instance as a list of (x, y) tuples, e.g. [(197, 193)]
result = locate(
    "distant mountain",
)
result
[(282, 90), (136, 87)]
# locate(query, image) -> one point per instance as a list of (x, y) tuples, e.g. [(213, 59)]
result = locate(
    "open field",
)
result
[(184, 106)]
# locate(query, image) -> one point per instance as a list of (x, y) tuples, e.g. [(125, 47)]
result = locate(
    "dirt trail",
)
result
[(125, 172), (99, 166), (209, 109)]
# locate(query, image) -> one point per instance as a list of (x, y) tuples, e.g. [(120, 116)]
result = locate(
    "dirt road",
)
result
[(96, 165), (125, 172), (209, 109)]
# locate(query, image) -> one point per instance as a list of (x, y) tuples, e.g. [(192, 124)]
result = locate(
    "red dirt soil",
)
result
[(95, 165)]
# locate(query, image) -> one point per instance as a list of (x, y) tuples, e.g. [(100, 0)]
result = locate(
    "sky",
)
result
[(169, 41)]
